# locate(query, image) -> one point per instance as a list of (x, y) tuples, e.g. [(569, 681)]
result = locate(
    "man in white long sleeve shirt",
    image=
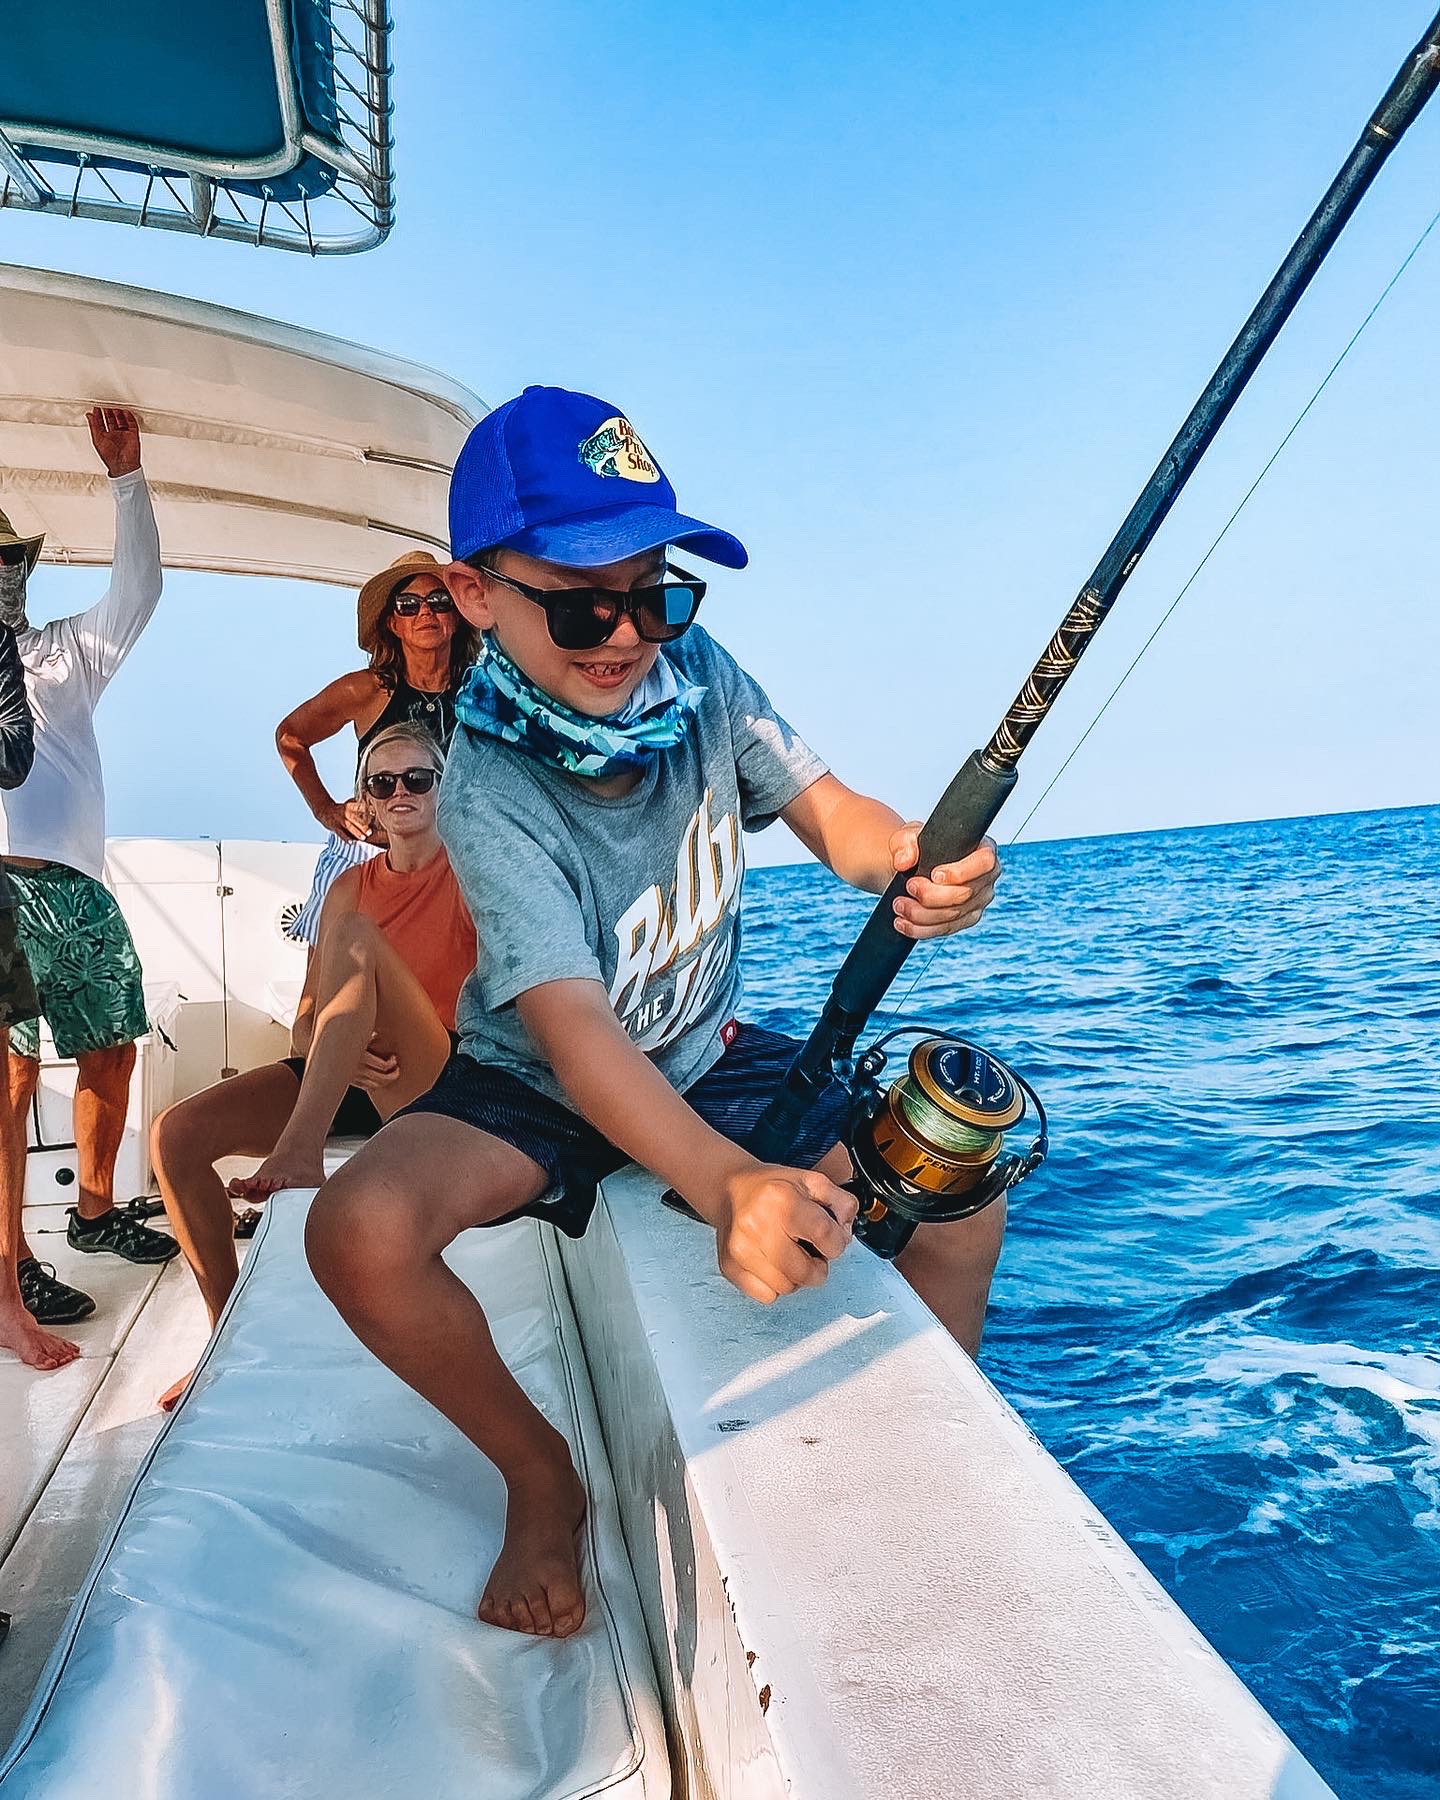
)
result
[(87, 975), (19, 1333)]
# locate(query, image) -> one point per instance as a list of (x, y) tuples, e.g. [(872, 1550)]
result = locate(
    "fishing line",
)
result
[(942, 1128), (910, 1164), (897, 1006), (1224, 529)]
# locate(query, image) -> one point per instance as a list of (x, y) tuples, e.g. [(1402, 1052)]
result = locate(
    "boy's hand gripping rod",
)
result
[(974, 798)]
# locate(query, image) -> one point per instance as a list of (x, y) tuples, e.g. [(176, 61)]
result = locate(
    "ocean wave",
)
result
[(1218, 1301)]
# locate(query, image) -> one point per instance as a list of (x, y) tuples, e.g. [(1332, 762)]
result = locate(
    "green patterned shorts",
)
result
[(17, 990), (83, 961)]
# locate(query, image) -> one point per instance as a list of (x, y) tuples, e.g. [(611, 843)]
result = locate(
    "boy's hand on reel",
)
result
[(954, 895), (779, 1229)]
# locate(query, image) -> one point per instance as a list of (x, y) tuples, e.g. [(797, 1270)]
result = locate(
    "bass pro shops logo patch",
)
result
[(615, 449)]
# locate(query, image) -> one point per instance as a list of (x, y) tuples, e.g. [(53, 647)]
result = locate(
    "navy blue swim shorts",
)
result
[(356, 1117), (730, 1097)]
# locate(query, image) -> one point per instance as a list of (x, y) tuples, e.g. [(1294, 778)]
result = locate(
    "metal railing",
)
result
[(350, 168)]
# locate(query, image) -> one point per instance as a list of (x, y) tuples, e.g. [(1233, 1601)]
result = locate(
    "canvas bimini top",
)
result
[(264, 121), (270, 450)]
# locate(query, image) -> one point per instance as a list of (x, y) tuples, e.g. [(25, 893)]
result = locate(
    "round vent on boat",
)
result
[(288, 914)]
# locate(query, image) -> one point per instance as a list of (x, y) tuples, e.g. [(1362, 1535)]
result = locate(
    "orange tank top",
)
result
[(423, 917)]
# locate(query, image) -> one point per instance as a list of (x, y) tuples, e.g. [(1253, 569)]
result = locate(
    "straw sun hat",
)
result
[(379, 590), (9, 535)]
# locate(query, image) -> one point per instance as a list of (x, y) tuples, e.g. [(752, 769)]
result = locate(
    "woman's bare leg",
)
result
[(239, 1117), (365, 993), (243, 1116), (374, 1239)]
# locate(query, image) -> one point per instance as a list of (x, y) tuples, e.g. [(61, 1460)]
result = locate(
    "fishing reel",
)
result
[(928, 1146)]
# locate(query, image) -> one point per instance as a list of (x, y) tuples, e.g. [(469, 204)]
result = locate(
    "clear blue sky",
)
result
[(910, 298)]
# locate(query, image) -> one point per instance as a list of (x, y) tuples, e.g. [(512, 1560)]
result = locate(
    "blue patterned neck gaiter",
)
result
[(499, 699)]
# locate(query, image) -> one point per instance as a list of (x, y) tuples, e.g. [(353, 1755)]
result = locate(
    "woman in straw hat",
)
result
[(419, 648)]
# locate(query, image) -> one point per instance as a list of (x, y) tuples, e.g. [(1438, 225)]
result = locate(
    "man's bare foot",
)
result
[(36, 1347), (168, 1400), (282, 1168), (535, 1584)]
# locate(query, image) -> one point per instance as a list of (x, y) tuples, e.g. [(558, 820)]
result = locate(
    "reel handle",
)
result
[(886, 1236)]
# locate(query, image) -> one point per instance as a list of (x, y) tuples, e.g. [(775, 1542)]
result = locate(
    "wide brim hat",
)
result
[(379, 591), (9, 535)]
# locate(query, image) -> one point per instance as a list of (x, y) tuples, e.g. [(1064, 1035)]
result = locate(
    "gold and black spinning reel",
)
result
[(930, 1145)]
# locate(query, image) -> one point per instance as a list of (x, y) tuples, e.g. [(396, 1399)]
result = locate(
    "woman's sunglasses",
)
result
[(586, 617), (407, 605), (381, 785)]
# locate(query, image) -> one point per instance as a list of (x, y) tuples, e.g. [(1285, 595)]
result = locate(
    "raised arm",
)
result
[(17, 725), (312, 722), (109, 631), (763, 1214)]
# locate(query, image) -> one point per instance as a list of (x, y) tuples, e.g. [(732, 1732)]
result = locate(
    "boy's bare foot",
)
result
[(282, 1168), (535, 1584), (36, 1347), (168, 1400)]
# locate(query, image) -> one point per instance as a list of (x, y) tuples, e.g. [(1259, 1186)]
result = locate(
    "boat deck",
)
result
[(75, 1437), (284, 1601)]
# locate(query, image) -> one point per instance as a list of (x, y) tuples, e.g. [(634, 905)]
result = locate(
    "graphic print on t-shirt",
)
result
[(673, 951)]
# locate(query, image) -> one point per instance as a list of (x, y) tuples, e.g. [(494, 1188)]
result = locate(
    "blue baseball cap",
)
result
[(565, 477)]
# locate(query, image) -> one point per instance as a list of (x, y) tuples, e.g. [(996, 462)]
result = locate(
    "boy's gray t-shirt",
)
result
[(640, 892)]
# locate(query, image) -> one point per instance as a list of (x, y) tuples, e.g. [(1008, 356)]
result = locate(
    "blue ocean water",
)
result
[(1218, 1302)]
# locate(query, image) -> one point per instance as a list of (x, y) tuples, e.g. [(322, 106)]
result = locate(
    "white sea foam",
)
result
[(1408, 1382), (1315, 1447), (1402, 1378)]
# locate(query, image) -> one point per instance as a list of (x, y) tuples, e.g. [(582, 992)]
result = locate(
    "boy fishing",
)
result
[(609, 756)]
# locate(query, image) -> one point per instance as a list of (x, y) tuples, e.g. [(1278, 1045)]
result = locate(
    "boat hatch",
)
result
[(263, 121)]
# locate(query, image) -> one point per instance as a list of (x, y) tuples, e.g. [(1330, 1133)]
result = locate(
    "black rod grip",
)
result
[(965, 812)]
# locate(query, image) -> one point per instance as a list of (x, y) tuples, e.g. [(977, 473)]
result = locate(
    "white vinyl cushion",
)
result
[(286, 1607)]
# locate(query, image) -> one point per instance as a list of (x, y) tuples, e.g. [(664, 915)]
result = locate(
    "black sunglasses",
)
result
[(407, 605), (586, 617), (382, 784)]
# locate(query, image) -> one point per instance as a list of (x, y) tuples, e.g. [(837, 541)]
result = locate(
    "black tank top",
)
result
[(413, 706)]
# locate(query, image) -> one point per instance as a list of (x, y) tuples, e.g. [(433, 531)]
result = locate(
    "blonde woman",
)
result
[(373, 1030)]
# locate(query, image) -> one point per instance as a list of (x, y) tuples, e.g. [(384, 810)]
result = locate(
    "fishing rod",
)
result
[(928, 1147)]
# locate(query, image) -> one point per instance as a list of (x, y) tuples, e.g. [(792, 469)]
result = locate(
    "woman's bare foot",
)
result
[(282, 1168), (170, 1398), (36, 1347), (535, 1584)]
